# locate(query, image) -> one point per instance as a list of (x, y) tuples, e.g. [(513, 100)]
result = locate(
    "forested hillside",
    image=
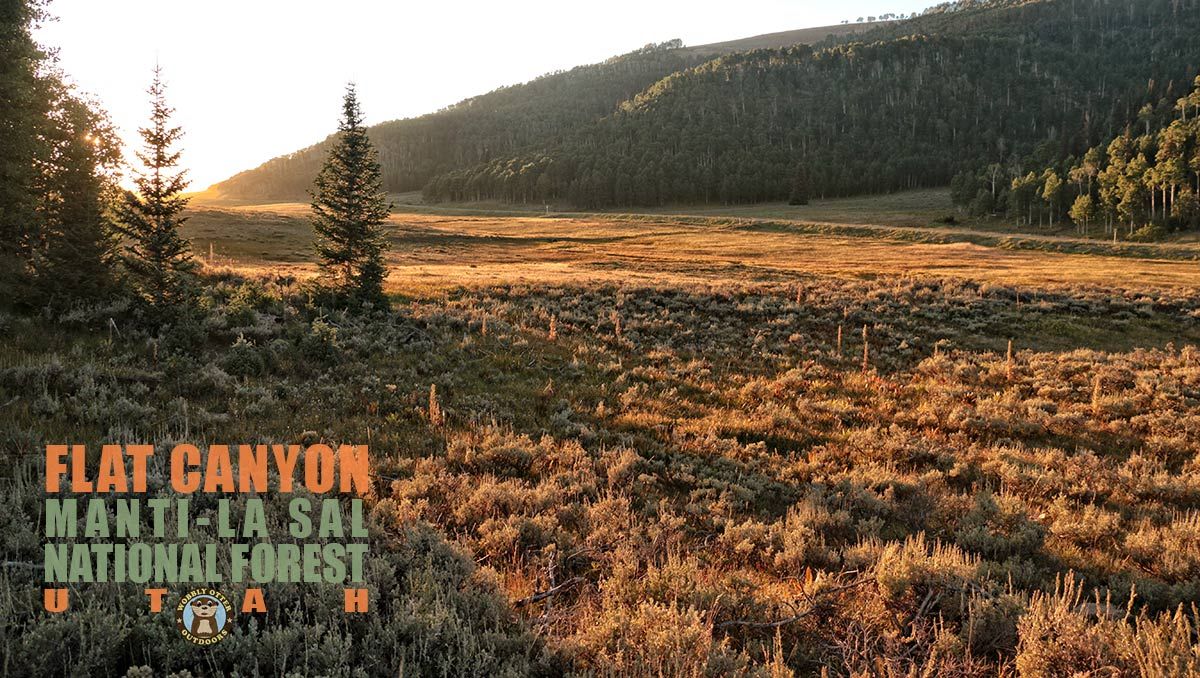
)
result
[(905, 104), (980, 85), (508, 120)]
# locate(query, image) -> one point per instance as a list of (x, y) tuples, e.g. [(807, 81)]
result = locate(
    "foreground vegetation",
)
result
[(685, 478)]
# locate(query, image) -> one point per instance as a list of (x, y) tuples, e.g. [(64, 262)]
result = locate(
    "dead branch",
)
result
[(814, 601), (17, 563), (554, 590)]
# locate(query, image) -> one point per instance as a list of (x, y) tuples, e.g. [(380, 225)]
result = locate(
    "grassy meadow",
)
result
[(435, 247), (727, 443)]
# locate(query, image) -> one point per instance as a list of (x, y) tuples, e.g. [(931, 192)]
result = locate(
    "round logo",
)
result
[(202, 616)]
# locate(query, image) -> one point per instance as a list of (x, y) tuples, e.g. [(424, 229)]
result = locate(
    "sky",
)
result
[(254, 79)]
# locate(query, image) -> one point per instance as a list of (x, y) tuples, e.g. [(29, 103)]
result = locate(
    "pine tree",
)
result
[(799, 193), (349, 208), (78, 249), (1134, 195), (22, 113), (1022, 196), (157, 257)]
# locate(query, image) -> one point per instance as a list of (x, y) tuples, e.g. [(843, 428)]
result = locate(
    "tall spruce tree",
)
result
[(349, 209), (75, 259), (157, 257), (23, 111)]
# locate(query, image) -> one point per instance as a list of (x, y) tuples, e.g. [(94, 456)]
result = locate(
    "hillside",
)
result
[(863, 109), (982, 84), (506, 120), (477, 129)]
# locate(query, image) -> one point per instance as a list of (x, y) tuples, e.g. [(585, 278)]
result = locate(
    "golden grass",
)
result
[(431, 252)]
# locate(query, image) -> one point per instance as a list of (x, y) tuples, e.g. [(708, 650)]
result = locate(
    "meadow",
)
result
[(434, 247), (664, 445)]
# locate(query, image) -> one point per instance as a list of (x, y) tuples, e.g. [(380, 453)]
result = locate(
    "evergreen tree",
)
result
[(1024, 190), (75, 259), (349, 209), (1131, 187), (964, 187), (1194, 162), (799, 194), (1187, 208), (22, 112), (157, 257), (1172, 165)]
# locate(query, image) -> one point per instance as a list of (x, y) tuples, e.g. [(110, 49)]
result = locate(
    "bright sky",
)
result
[(254, 79)]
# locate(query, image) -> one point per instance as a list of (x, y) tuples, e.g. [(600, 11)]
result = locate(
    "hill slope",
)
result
[(507, 120), (899, 105), (981, 84)]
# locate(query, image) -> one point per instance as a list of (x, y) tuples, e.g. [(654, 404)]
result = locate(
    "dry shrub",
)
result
[(916, 571), (1086, 525), (1172, 550), (999, 528), (650, 639), (1062, 635)]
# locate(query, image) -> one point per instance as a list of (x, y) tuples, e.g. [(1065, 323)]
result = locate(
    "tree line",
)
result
[(1145, 180), (59, 158), (71, 233)]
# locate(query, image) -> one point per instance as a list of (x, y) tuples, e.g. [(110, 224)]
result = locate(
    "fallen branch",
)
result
[(17, 563), (554, 590), (763, 625), (746, 623)]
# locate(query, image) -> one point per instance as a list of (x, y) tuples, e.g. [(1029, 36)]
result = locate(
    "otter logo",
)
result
[(202, 616)]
